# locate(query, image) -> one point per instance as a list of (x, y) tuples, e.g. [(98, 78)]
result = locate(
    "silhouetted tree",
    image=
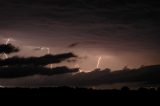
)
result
[(125, 89), (158, 89)]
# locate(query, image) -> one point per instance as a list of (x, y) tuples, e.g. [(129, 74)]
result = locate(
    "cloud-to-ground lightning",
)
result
[(99, 61), (46, 49), (4, 54), (7, 41), (48, 52), (77, 66)]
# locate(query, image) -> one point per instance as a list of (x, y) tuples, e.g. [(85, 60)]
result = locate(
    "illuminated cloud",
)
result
[(73, 45), (126, 30)]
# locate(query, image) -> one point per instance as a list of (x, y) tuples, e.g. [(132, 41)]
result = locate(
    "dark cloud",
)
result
[(73, 45), (126, 29), (18, 71), (146, 74), (9, 48), (81, 11), (41, 61)]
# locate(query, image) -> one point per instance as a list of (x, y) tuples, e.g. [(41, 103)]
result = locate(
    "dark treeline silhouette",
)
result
[(8, 48), (37, 61), (63, 92)]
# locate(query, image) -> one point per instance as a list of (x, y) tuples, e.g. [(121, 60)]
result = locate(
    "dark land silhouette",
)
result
[(65, 92)]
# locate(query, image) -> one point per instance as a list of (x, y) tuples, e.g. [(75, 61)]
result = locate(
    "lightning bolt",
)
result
[(6, 56), (8, 40), (77, 66), (99, 61), (48, 50)]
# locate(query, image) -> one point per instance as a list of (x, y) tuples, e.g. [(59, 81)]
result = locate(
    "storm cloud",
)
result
[(18, 71), (37, 61), (9, 48), (146, 75), (73, 45), (122, 32)]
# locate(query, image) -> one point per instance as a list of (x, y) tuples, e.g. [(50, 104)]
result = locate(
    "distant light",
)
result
[(2, 86)]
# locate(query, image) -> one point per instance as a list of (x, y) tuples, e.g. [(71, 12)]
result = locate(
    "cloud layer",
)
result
[(18, 71), (37, 61), (9, 48), (146, 75)]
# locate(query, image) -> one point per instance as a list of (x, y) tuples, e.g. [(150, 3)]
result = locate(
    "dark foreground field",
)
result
[(74, 92)]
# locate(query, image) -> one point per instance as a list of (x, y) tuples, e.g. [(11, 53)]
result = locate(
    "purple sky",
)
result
[(123, 33)]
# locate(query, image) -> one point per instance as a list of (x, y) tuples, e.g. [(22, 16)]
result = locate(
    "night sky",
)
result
[(123, 32)]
